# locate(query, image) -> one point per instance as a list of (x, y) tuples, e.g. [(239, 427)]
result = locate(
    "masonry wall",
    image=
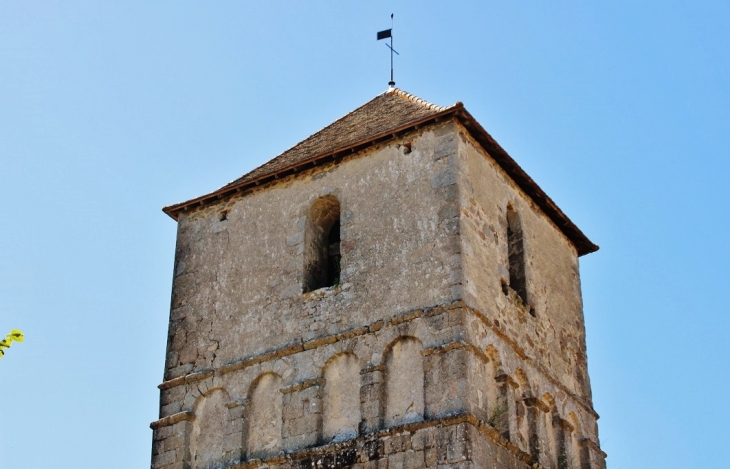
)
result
[(272, 409), (237, 288), (416, 358), (553, 335), (544, 335)]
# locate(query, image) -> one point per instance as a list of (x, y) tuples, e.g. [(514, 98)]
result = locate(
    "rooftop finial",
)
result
[(388, 33)]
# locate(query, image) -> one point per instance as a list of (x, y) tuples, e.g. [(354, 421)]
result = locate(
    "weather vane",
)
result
[(388, 33)]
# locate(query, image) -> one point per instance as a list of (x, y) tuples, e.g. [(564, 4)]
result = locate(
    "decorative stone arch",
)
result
[(578, 451), (481, 379), (499, 390), (263, 416), (404, 381), (322, 244), (525, 414), (208, 430), (341, 397), (548, 431)]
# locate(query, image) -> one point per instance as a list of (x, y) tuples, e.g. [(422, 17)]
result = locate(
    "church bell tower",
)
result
[(392, 292)]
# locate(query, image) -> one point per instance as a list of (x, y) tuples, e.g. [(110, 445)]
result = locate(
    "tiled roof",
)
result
[(382, 118), (385, 112)]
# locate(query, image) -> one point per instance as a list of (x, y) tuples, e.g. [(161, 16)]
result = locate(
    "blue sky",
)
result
[(110, 110)]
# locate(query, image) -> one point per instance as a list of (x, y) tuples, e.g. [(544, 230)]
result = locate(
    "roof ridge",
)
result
[(394, 91), (415, 99), (305, 140)]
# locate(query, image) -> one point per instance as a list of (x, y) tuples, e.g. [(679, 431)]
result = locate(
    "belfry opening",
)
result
[(322, 244)]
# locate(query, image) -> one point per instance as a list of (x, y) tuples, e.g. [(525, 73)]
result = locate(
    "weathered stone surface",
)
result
[(420, 353), (341, 418)]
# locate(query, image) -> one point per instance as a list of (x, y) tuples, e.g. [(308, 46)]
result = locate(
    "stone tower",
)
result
[(392, 292)]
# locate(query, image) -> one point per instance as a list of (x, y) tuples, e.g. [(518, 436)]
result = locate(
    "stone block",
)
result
[(236, 425), (423, 439), (414, 460), (457, 447), (295, 239), (233, 441), (181, 370), (445, 148), (174, 442), (445, 178), (370, 392), (172, 408), (176, 465), (396, 461), (372, 377), (293, 407), (236, 413), (164, 432), (397, 443), (448, 211), (158, 447), (174, 394), (430, 457), (168, 457)]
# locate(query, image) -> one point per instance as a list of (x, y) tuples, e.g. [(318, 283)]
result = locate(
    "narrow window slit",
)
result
[(322, 245), (516, 255)]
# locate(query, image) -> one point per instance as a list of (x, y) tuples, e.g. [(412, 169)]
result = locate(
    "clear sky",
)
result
[(620, 110)]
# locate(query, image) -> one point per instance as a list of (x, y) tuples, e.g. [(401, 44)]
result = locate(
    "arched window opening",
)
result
[(516, 254), (322, 244)]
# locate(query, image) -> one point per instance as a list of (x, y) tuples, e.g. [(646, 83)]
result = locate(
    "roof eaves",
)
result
[(174, 210), (527, 184), (522, 179)]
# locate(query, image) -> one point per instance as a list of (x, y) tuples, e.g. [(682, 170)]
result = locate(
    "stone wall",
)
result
[(548, 325), (238, 283), (284, 404), (417, 356)]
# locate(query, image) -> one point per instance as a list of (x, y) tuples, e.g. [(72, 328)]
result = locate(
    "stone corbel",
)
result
[(372, 368), (537, 403), (172, 420), (564, 424), (307, 383), (592, 445), (238, 403), (504, 378)]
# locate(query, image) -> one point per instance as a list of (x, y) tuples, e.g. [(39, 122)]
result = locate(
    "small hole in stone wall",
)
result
[(223, 216), (532, 312), (407, 148), (505, 288)]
